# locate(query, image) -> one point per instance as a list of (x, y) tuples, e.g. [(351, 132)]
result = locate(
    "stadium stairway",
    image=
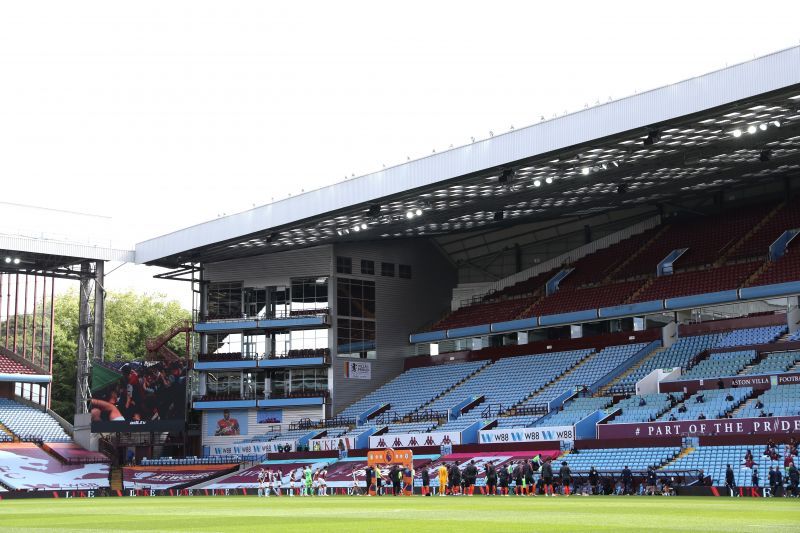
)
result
[(554, 383), (425, 406), (686, 450), (755, 275), (5, 431), (611, 275), (723, 258), (640, 290), (115, 478), (745, 404), (528, 311), (605, 390)]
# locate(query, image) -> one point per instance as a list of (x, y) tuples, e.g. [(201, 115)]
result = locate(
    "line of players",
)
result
[(302, 482), (499, 480)]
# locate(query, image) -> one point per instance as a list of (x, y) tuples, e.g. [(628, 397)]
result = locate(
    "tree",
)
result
[(130, 320)]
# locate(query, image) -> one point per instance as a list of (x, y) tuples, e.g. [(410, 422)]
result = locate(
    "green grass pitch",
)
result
[(417, 514)]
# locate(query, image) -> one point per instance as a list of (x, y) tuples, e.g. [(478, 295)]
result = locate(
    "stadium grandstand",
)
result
[(615, 289), (39, 449)]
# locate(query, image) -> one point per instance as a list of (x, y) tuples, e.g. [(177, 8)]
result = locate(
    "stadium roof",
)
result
[(53, 241), (729, 128)]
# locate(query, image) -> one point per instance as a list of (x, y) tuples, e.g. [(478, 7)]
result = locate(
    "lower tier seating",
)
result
[(774, 363), (413, 388), (713, 460), (783, 400), (510, 380), (720, 364), (30, 424), (645, 408), (708, 404), (573, 412), (677, 355), (587, 374), (615, 459)]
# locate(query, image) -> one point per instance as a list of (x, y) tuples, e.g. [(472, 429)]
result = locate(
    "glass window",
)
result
[(223, 383), (368, 267), (225, 300), (344, 265), (300, 343), (255, 302), (355, 327), (279, 302), (405, 271), (224, 343), (298, 381), (309, 295), (387, 269)]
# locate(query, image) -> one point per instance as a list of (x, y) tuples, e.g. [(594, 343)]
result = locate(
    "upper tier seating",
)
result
[(615, 459), (510, 380), (713, 460), (774, 363), (783, 400), (483, 313), (597, 266), (579, 299), (30, 424), (573, 412), (529, 286), (749, 336), (720, 364), (707, 239), (757, 245), (697, 282), (645, 408), (413, 388), (9, 366), (714, 404), (586, 374), (785, 269)]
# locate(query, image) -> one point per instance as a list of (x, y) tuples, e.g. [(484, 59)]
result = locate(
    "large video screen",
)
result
[(135, 396)]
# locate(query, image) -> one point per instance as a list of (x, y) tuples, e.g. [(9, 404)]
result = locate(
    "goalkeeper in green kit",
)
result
[(309, 479)]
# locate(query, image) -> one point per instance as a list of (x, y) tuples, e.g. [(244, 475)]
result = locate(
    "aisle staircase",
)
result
[(604, 390), (724, 257), (115, 478), (633, 256), (4, 429), (553, 383)]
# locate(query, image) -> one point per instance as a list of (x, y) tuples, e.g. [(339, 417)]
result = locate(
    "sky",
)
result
[(158, 115)]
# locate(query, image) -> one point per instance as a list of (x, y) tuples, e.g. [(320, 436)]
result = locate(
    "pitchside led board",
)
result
[(136, 396)]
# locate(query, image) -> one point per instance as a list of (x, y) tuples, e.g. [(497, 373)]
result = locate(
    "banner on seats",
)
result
[(330, 445), (700, 428), (411, 440), (256, 448), (550, 433)]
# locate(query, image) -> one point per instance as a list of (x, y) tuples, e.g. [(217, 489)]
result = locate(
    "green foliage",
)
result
[(130, 320)]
